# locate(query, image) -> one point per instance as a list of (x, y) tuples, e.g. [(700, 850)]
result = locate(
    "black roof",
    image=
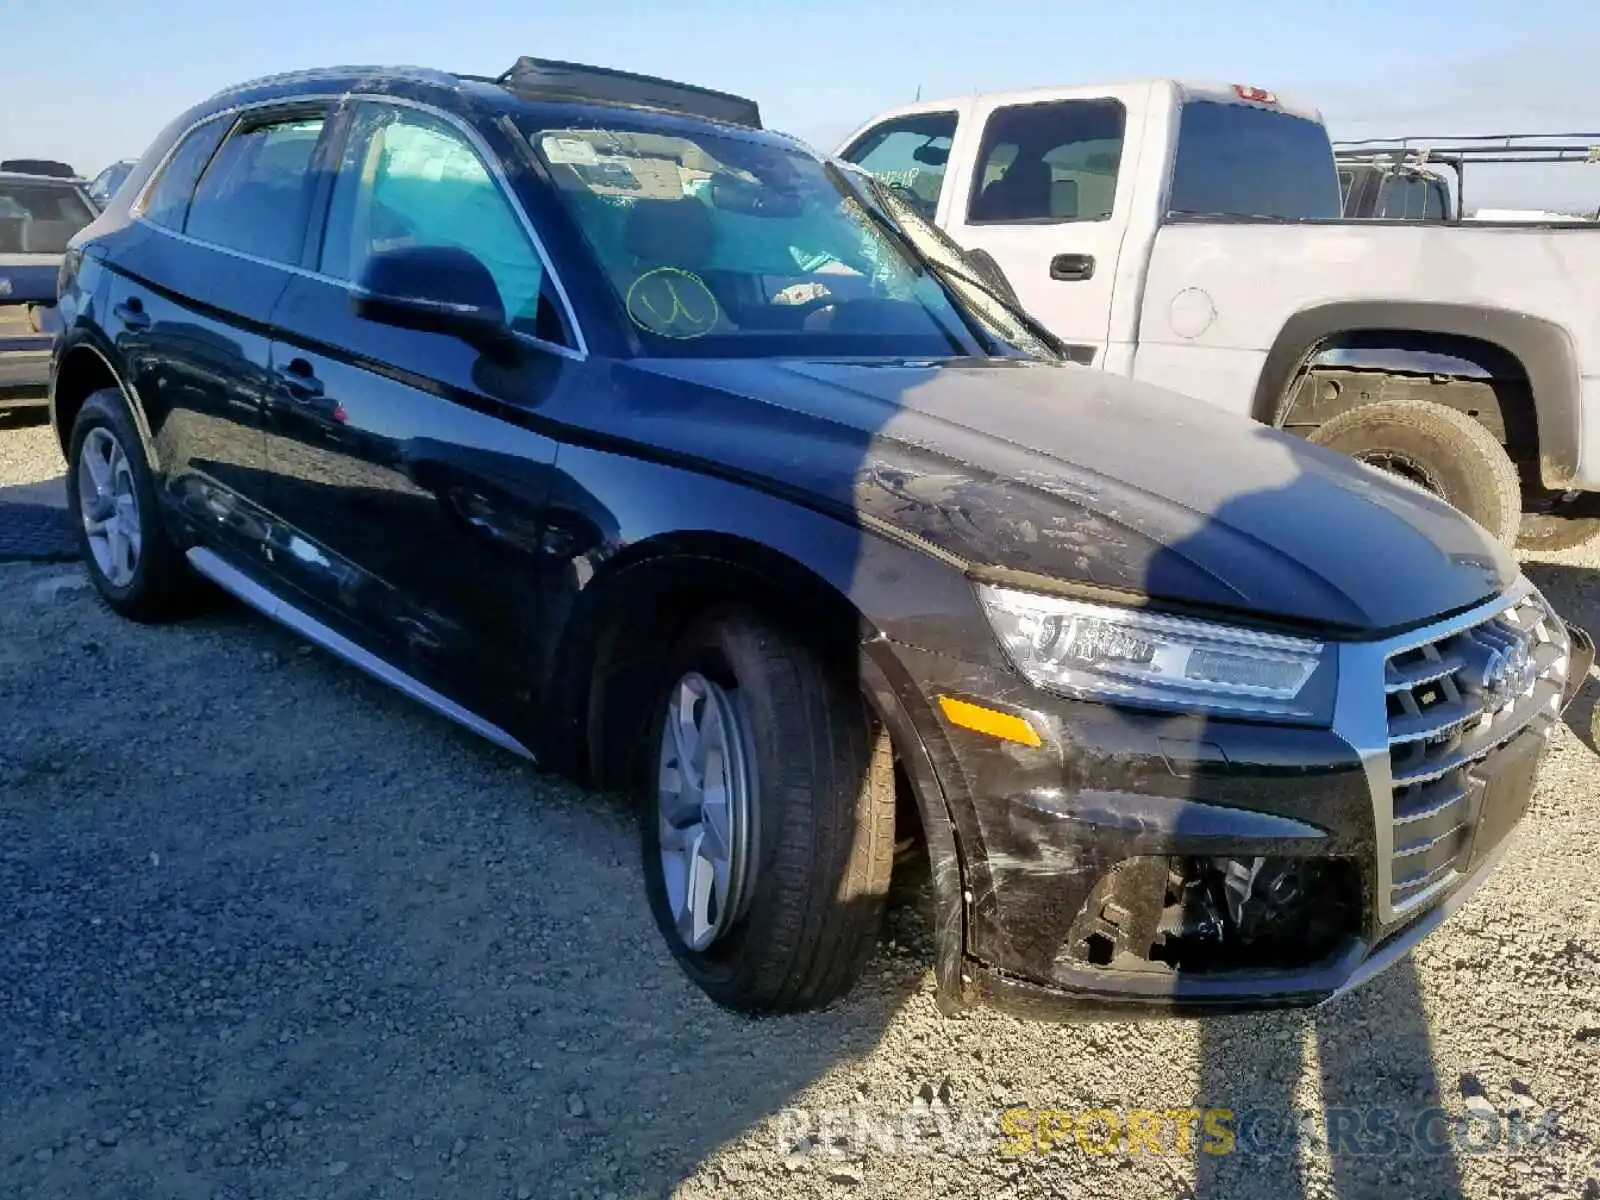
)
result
[(45, 167)]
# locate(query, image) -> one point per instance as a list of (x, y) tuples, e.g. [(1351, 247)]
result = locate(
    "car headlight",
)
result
[(1130, 656)]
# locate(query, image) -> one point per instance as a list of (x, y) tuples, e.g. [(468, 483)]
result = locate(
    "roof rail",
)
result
[(546, 79)]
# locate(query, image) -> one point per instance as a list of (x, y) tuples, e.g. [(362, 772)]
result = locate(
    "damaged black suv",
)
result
[(645, 442)]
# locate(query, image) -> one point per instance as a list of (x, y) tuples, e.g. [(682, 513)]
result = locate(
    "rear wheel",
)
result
[(767, 819), (132, 562), (1439, 449)]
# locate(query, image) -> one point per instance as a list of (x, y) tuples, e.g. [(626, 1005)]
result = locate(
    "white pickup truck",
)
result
[(1192, 236)]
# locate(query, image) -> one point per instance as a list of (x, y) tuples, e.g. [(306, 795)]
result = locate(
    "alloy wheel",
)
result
[(108, 504), (704, 810)]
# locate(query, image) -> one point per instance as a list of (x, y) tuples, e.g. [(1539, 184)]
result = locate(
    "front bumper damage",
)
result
[(1137, 864)]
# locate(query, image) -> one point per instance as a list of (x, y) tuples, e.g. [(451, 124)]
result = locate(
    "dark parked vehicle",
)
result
[(38, 215), (633, 437), (1388, 191), (104, 185), (47, 167)]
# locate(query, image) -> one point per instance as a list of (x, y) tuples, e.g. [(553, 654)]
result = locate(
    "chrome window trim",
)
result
[(1361, 719), (474, 139)]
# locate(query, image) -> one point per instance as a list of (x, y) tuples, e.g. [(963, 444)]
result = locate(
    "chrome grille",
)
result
[(1452, 703)]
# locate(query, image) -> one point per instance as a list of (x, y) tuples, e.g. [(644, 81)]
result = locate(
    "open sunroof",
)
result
[(546, 79)]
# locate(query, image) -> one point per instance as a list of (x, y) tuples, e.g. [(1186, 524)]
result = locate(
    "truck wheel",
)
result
[(1439, 449), (133, 564), (768, 821)]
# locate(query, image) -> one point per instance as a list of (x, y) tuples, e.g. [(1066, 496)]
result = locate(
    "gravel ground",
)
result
[(270, 930), (30, 461)]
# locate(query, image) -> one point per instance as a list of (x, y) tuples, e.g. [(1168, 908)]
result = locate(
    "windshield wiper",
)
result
[(947, 272), (908, 249), (1027, 321)]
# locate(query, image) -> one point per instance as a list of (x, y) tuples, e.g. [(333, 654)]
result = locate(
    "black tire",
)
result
[(823, 844), (162, 587), (1438, 448)]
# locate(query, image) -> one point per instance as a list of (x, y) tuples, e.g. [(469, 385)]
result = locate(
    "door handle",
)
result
[(1072, 268), (299, 379), (132, 314)]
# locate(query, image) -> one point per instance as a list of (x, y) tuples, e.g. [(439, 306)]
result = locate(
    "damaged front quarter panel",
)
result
[(1127, 845)]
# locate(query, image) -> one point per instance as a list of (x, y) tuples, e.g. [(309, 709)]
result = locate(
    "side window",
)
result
[(1056, 161), (412, 179), (909, 154), (255, 193), (167, 201)]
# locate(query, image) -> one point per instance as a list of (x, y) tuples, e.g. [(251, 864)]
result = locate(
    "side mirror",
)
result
[(434, 289)]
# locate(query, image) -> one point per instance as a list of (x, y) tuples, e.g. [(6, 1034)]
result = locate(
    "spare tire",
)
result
[(1439, 449)]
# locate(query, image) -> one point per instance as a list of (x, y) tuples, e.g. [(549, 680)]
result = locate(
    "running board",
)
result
[(236, 582)]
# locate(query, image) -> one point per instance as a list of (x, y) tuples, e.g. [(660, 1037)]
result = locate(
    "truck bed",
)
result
[(1218, 291)]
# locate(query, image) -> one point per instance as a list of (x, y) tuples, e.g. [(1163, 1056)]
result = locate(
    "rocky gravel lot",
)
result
[(268, 930)]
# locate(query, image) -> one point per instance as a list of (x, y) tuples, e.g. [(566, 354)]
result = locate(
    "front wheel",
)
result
[(1439, 449), (767, 818)]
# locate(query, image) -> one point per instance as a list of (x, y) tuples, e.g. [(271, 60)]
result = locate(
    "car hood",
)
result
[(1049, 475)]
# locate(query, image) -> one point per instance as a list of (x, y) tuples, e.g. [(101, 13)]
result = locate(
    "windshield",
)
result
[(106, 183), (1236, 160), (38, 217), (729, 246), (1000, 317)]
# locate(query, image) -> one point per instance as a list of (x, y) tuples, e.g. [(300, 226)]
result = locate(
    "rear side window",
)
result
[(1049, 162), (40, 218), (910, 155), (167, 201), (254, 195), (1237, 160)]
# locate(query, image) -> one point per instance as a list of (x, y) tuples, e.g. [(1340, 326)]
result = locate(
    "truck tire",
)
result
[(1440, 450), (768, 817)]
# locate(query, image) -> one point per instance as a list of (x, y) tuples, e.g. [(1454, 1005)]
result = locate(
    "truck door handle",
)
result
[(1072, 268), (299, 379), (132, 314)]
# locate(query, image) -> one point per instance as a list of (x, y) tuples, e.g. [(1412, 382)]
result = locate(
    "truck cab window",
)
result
[(1049, 162), (1241, 160), (909, 154)]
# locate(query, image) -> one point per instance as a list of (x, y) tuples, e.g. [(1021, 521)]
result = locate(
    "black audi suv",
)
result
[(645, 442)]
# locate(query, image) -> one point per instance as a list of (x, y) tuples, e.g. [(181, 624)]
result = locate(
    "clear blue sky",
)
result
[(93, 80)]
